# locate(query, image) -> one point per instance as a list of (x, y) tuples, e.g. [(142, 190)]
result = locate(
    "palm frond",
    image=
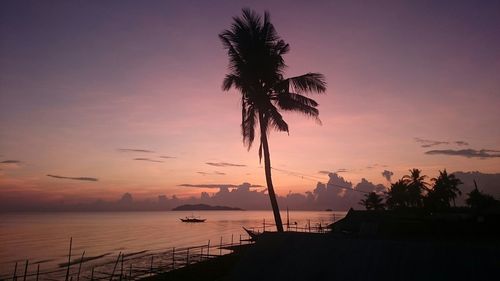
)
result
[(281, 47), (307, 83), (287, 96), (248, 122), (275, 119), (294, 106), (231, 80)]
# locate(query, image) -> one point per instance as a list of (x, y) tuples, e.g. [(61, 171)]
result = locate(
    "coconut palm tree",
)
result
[(480, 201), (444, 191), (397, 197), (256, 69), (416, 185), (372, 201)]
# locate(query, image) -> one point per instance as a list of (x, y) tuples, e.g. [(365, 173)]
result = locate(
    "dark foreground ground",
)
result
[(306, 256)]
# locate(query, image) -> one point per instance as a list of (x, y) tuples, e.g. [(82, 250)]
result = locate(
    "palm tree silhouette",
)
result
[(397, 197), (480, 201), (372, 201), (445, 189), (416, 185), (256, 70)]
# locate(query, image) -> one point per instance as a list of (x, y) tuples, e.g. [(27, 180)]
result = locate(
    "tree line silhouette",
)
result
[(412, 191)]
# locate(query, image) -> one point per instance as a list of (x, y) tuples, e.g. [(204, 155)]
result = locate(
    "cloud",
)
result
[(134, 150), (426, 143), (375, 166), (429, 143), (222, 185), (224, 164), (73, 178), (10, 162), (149, 160), (341, 170), (168, 157), (387, 175), (217, 173), (366, 186), (469, 153)]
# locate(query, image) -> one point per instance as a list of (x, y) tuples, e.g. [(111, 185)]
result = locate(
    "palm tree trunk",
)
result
[(267, 168)]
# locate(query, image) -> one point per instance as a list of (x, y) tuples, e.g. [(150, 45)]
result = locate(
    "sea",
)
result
[(44, 238)]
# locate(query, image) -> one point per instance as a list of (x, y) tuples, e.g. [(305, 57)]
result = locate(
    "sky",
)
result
[(102, 98)]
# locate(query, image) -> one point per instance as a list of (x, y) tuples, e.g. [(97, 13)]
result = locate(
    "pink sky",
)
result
[(80, 81)]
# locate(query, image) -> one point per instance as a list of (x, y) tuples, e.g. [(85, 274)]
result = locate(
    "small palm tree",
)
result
[(397, 197), (256, 69), (416, 185), (372, 201), (445, 190), (479, 201)]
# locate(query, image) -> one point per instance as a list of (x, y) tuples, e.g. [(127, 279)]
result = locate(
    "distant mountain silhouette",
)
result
[(204, 207)]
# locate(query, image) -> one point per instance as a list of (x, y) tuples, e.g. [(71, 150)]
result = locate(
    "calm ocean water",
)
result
[(44, 237)]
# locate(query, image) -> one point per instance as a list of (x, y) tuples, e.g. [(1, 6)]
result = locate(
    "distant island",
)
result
[(204, 207)]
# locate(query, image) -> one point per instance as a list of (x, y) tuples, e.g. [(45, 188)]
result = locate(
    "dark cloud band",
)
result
[(148, 160), (426, 143), (223, 185), (224, 164), (73, 178), (10, 162), (134, 150), (469, 153)]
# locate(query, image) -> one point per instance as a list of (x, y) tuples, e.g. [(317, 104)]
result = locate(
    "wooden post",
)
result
[(151, 267), (264, 225), (80, 267), (187, 257), (69, 258), (208, 249), (220, 247), (92, 275), (37, 272), (25, 270), (14, 277), (130, 272), (231, 239), (287, 219), (173, 258), (240, 239), (121, 269), (309, 225), (114, 268)]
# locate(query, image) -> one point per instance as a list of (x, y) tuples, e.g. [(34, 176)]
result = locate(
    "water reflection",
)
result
[(44, 237)]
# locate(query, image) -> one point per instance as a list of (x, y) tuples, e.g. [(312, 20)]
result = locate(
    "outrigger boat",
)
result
[(193, 219), (253, 235)]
